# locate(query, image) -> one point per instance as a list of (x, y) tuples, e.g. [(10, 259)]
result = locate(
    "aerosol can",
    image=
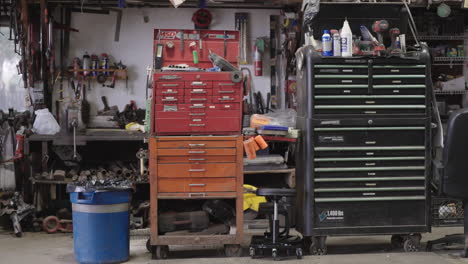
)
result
[(86, 64), (336, 45), (104, 63), (326, 44), (94, 64), (346, 40)]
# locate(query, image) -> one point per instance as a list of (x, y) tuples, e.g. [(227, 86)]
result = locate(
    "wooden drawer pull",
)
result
[(196, 194), (196, 145), (197, 159), (197, 152), (196, 185), (196, 170)]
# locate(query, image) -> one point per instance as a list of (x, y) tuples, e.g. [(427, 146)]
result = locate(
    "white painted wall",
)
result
[(135, 47), (12, 92)]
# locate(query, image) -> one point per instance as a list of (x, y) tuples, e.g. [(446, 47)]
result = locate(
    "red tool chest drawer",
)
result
[(169, 92), (166, 85), (199, 84), (168, 99), (197, 99), (198, 91), (225, 99)]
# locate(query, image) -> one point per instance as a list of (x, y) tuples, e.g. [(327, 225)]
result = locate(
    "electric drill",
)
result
[(379, 27)]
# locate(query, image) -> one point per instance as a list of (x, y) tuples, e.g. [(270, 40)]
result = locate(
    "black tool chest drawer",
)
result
[(365, 144)]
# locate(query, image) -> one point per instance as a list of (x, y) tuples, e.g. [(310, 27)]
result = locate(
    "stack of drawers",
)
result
[(197, 167), (366, 145), (190, 103)]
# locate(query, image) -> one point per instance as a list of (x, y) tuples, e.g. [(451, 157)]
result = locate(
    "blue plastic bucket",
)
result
[(101, 226)]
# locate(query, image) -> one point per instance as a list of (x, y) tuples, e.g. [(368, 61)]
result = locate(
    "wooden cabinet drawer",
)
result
[(196, 152), (195, 159), (196, 185), (189, 144), (182, 170)]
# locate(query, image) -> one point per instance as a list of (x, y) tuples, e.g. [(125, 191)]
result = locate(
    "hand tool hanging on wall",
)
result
[(242, 25)]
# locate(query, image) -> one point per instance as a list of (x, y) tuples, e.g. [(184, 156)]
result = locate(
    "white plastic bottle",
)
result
[(346, 40), (326, 44)]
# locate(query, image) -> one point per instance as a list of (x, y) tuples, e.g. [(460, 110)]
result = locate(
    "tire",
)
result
[(51, 224), (397, 241)]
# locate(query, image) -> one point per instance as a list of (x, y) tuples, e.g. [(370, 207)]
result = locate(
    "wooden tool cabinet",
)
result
[(196, 167)]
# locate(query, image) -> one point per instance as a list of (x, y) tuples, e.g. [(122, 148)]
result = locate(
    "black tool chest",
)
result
[(365, 144)]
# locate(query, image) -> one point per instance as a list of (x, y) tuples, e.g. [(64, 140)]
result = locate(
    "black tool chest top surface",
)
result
[(365, 140)]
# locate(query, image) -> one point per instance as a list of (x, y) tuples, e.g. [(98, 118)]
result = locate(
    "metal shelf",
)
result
[(450, 58)]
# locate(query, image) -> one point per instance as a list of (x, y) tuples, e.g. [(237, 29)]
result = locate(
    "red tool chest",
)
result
[(197, 102)]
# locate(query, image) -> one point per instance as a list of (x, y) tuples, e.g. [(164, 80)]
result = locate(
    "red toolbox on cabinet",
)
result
[(196, 102)]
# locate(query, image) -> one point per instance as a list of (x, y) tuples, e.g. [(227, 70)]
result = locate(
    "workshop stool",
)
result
[(275, 242)]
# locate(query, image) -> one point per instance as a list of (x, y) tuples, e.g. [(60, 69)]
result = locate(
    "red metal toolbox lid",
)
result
[(218, 41)]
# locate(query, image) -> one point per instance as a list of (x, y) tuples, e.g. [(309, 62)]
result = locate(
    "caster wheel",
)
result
[(318, 246), (232, 250), (411, 245), (274, 254), (397, 241), (252, 252), (148, 245), (160, 252), (299, 253)]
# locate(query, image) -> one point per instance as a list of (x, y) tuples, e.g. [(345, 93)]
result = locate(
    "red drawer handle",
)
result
[(170, 84), (197, 99), (198, 84), (170, 77), (226, 99), (169, 100), (197, 106), (197, 125), (197, 152), (197, 114), (226, 84), (197, 184), (196, 170), (227, 92), (196, 194), (198, 92), (175, 92)]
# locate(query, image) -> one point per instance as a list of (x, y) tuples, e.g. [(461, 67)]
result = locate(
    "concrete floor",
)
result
[(44, 248)]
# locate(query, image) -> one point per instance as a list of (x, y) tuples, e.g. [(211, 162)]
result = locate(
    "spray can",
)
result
[(104, 63), (327, 44), (346, 40), (336, 45), (94, 64), (76, 67), (86, 64)]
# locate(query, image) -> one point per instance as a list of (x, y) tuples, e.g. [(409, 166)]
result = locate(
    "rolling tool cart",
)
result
[(366, 147), (196, 149)]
